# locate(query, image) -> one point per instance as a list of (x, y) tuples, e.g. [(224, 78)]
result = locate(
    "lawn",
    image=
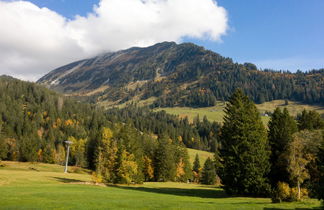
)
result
[(44, 186)]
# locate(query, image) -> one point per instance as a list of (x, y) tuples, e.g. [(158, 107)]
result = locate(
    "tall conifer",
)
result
[(208, 174), (196, 164), (245, 151), (281, 128)]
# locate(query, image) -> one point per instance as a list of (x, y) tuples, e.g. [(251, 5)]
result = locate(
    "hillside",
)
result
[(203, 155), (35, 124), (45, 186), (216, 113), (169, 74)]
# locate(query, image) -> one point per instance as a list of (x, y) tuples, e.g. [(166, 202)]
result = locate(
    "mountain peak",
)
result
[(171, 74), (132, 64)]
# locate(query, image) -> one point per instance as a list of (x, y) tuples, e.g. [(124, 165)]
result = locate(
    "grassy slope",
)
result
[(203, 155), (216, 113), (49, 188)]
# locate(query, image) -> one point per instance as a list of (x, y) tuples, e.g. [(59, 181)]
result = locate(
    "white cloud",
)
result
[(35, 40)]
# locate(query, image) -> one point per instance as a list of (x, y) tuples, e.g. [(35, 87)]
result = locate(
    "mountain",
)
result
[(170, 74)]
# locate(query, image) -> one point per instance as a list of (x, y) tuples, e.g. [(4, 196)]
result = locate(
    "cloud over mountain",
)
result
[(35, 40)]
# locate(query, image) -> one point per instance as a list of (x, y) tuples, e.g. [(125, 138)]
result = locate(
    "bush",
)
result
[(294, 193), (284, 193), (96, 178), (281, 193)]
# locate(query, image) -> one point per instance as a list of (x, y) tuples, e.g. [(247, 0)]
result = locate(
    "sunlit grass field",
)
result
[(203, 155), (216, 113), (45, 186)]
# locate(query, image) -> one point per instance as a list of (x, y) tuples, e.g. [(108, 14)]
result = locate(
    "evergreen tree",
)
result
[(320, 165), (310, 120), (281, 128), (245, 151), (196, 169), (196, 164), (164, 164), (3, 145), (183, 166), (3, 149), (208, 174)]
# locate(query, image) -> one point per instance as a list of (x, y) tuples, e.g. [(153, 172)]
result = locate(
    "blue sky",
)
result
[(287, 34), (275, 34)]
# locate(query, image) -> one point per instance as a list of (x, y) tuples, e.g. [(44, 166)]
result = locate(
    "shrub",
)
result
[(284, 193), (96, 178), (294, 193), (281, 193)]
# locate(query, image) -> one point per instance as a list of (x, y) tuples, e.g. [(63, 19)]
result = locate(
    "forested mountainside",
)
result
[(179, 75), (35, 122)]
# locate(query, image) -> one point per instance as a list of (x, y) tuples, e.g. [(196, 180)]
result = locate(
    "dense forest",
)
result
[(179, 75), (133, 145), (200, 134), (35, 123)]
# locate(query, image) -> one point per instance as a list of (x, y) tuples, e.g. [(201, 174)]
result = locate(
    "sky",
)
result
[(37, 36)]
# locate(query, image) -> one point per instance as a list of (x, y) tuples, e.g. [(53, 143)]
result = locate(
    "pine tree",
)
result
[(3, 149), (208, 173), (320, 165), (164, 163), (196, 169), (183, 166), (281, 128), (196, 164), (3, 144), (310, 120), (245, 151)]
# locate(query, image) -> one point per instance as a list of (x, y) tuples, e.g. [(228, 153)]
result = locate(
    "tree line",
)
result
[(260, 86)]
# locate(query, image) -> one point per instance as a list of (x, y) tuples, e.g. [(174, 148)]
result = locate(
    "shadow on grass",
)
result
[(316, 208), (66, 180), (202, 193)]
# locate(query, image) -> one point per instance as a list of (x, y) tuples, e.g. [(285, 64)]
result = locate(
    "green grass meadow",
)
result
[(45, 186), (203, 155), (216, 113)]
